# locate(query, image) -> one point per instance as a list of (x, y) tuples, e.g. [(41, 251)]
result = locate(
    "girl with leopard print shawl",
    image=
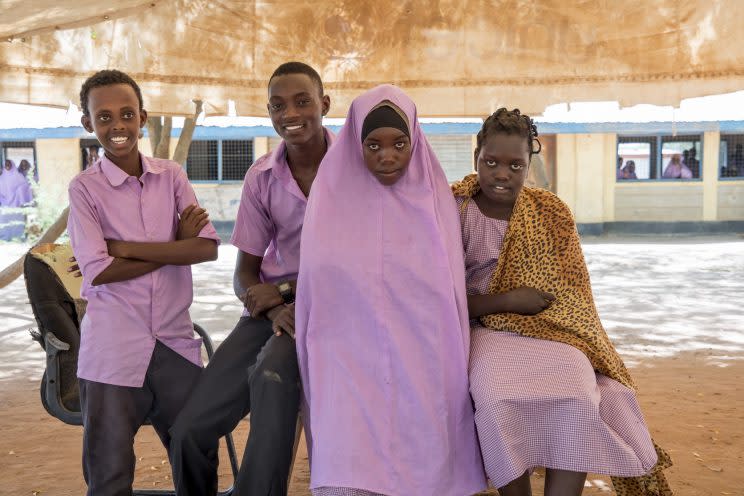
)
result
[(548, 386)]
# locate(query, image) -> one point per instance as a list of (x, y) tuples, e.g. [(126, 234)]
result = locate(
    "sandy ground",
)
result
[(673, 307)]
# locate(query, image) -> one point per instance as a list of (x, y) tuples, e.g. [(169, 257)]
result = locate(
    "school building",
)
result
[(587, 164)]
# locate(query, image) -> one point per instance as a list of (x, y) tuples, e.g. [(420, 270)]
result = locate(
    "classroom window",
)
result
[(658, 157), (731, 155), (636, 158), (680, 157), (237, 156), (202, 162), (90, 152), (219, 160), (23, 155)]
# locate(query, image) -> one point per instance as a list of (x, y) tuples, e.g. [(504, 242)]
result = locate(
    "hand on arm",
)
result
[(192, 221), (74, 268), (523, 301), (259, 298), (285, 321)]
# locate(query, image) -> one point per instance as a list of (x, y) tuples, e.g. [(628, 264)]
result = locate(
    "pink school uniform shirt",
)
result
[(270, 216), (124, 319)]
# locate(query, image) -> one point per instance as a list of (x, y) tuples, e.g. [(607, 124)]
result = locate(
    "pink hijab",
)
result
[(15, 191), (382, 323)]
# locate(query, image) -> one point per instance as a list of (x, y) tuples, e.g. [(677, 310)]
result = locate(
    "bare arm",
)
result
[(524, 301), (247, 273), (261, 299), (124, 269), (181, 252), (479, 305)]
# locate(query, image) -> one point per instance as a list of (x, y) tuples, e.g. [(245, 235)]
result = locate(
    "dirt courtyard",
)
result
[(672, 306)]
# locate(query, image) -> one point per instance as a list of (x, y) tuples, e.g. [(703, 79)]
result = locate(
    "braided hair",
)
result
[(509, 122)]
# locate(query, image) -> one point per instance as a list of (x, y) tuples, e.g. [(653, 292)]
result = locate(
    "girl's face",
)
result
[(387, 152), (501, 164)]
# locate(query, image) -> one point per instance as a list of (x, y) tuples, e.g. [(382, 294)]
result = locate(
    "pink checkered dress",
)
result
[(539, 403), (342, 491)]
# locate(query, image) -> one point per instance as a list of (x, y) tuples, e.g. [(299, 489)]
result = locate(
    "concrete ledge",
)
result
[(701, 228)]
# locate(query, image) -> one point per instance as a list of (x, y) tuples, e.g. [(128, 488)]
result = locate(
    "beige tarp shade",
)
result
[(454, 57)]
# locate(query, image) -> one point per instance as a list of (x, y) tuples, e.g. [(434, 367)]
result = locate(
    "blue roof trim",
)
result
[(637, 127), (25, 134), (234, 132), (444, 128)]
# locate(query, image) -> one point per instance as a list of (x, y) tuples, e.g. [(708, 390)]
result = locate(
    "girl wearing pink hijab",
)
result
[(382, 323), (14, 188)]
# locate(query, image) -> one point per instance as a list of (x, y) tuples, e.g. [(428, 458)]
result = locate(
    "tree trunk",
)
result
[(154, 128), (163, 148), (184, 141), (11, 272)]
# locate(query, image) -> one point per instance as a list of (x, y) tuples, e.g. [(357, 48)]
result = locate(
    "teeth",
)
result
[(292, 128), (119, 139)]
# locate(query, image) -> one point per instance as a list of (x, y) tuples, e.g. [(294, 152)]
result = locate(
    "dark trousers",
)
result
[(252, 371), (112, 415)]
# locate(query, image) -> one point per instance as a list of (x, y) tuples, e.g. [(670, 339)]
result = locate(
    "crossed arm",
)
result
[(135, 259)]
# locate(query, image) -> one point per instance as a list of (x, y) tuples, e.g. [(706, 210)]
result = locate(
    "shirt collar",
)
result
[(116, 176)]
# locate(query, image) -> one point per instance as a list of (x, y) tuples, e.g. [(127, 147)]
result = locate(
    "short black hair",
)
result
[(107, 78), (298, 68), (509, 122)]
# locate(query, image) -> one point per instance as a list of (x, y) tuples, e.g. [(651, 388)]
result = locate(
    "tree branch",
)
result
[(154, 128), (163, 148), (12, 271), (187, 133)]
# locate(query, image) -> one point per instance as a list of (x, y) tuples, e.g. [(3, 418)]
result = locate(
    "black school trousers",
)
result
[(253, 371)]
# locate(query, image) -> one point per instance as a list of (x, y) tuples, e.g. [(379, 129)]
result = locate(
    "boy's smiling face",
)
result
[(116, 119), (296, 108)]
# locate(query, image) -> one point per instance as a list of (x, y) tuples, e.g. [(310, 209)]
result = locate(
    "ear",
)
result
[(475, 159), (326, 104), (85, 121), (143, 118)]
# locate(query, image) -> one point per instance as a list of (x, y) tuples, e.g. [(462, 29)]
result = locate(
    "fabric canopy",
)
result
[(453, 57)]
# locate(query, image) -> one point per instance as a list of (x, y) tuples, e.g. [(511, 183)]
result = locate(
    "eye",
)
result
[(276, 106), (491, 163), (128, 115), (373, 146), (516, 166), (304, 102), (104, 118), (400, 145)]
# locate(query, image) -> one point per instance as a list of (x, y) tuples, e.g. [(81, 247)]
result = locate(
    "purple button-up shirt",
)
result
[(123, 319), (270, 216)]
